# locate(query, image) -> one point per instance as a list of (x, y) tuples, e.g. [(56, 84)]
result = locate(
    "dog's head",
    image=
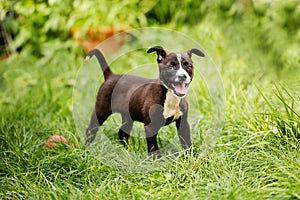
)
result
[(175, 69)]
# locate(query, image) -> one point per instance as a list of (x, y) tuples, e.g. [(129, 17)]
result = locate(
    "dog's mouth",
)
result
[(180, 89)]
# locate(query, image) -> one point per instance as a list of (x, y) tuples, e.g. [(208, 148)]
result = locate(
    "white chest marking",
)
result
[(171, 106)]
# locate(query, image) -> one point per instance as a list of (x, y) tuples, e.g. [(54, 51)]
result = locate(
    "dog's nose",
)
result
[(181, 77)]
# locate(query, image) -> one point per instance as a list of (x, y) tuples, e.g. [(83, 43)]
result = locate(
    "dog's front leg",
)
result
[(151, 134), (151, 137), (183, 130), (154, 122)]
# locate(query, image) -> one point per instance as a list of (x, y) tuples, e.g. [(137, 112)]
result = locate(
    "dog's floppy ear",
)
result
[(161, 53), (195, 51)]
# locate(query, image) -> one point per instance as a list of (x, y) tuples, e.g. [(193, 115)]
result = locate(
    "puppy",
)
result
[(154, 102)]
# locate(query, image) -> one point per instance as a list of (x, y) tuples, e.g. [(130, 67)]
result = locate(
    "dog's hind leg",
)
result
[(125, 129), (97, 120)]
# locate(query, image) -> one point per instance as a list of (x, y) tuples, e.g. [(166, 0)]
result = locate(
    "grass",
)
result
[(256, 155)]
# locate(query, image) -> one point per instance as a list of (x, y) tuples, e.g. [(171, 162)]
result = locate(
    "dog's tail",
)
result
[(105, 68)]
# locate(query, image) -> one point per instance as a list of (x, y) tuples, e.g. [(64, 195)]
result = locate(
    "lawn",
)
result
[(252, 151)]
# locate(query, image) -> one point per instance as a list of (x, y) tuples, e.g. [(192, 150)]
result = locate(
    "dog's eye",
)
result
[(186, 64), (172, 65)]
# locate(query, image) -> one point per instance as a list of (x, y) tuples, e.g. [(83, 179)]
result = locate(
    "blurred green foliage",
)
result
[(270, 28)]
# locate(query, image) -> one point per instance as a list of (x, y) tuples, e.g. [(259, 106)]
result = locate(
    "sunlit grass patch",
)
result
[(284, 117)]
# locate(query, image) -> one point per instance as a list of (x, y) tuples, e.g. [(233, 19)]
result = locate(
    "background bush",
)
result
[(256, 28)]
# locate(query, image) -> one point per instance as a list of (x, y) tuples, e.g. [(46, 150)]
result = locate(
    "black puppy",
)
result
[(154, 102)]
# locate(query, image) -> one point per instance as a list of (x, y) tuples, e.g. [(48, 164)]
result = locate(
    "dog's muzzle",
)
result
[(180, 85)]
